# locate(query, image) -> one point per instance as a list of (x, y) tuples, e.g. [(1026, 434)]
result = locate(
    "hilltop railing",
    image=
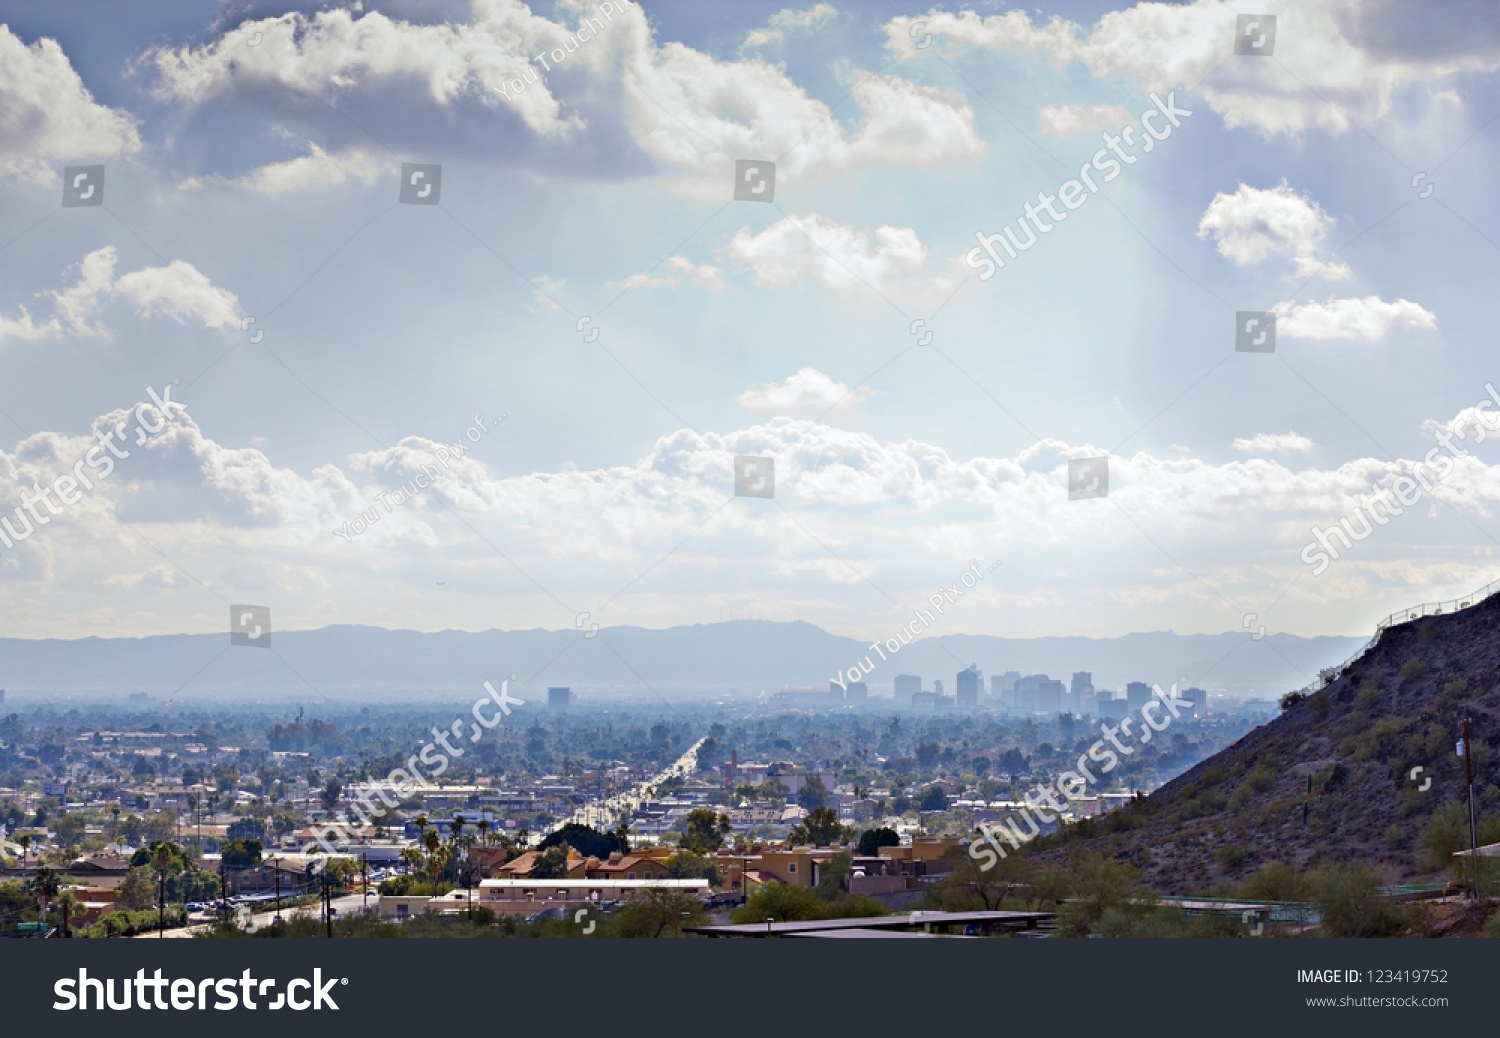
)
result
[(1328, 675)]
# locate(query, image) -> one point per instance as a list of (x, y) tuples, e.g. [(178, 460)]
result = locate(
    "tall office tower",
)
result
[(907, 685), (1088, 703), (1199, 698), (1137, 695), (969, 682), (559, 698), (1026, 692), (857, 690), (1083, 683), (1004, 688), (1049, 696)]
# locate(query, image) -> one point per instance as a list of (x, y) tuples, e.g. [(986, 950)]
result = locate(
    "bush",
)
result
[(1276, 881), (128, 924), (1350, 901), (1413, 668)]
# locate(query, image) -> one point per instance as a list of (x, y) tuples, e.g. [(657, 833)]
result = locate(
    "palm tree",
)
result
[(483, 825), (25, 841), (434, 844), (45, 886), (455, 828), (411, 858), (68, 902)]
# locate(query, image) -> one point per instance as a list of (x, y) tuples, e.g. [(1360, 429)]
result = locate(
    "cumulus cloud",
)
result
[(683, 110), (787, 20), (316, 169), (811, 247), (1337, 63), (809, 391), (50, 113), (1064, 120), (1273, 443), (894, 512), (675, 271), (1369, 318), (341, 51), (179, 291), (1253, 224)]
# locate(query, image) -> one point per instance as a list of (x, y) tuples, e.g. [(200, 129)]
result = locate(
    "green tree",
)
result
[(971, 887), (871, 840), (585, 839), (813, 794), (239, 854), (820, 828), (657, 911), (551, 863), (703, 831), (687, 865)]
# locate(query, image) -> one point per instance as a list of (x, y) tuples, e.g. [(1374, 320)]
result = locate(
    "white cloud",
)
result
[(50, 116), (1063, 120), (675, 271), (316, 169), (223, 513), (1254, 223), (340, 51), (809, 391), (1273, 443), (1369, 318), (1336, 63), (788, 19), (179, 290), (809, 246), (684, 109)]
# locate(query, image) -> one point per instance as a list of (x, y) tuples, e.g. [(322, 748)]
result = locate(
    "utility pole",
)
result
[(327, 902), (223, 892), (1468, 753), (364, 860), (276, 872), (161, 904)]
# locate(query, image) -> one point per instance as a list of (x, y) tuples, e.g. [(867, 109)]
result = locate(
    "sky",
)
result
[(580, 302)]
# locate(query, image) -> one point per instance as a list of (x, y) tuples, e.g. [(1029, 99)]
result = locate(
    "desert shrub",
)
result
[(1351, 905), (1104, 892), (1276, 881), (1413, 668)]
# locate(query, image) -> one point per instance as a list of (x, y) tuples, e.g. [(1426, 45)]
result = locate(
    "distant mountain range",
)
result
[(738, 658)]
